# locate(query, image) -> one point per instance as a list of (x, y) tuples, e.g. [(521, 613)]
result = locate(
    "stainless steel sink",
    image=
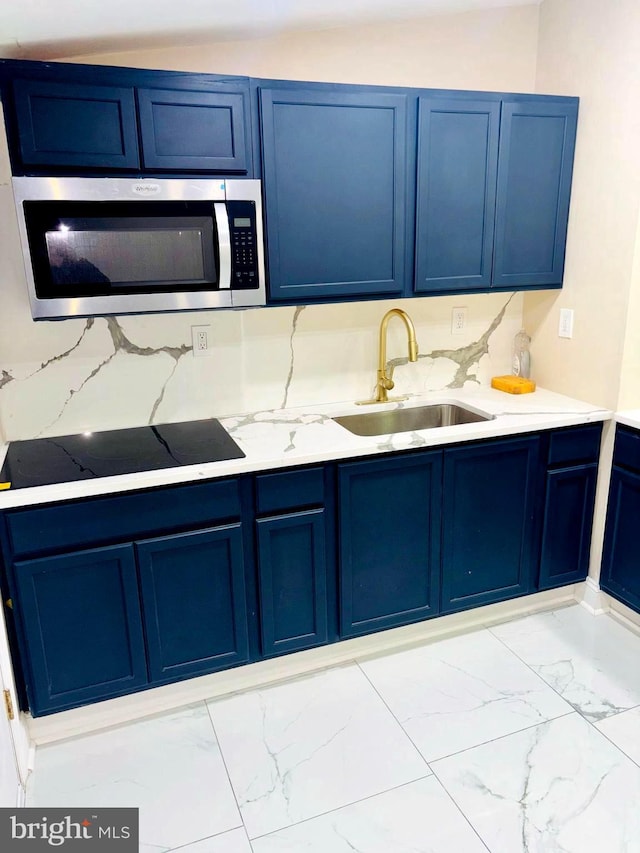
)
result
[(408, 420)]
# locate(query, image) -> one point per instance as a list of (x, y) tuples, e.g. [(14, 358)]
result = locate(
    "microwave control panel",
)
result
[(244, 251)]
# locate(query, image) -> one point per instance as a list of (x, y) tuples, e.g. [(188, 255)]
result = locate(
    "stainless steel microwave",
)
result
[(95, 246)]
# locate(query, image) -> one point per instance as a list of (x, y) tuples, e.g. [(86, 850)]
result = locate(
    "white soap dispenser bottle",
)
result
[(522, 355)]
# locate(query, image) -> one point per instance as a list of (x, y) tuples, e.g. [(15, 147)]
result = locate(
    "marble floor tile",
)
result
[(415, 818), (298, 749), (169, 766), (558, 787), (235, 841), (591, 661), (461, 692), (624, 730)]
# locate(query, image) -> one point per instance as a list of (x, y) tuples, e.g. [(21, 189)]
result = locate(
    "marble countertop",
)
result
[(286, 437), (629, 417)]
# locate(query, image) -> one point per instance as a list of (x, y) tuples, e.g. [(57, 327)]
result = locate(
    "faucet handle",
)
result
[(385, 381), (383, 385)]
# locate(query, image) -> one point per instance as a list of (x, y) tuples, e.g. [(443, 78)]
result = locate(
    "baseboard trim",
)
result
[(625, 615), (125, 709), (592, 598), (597, 602)]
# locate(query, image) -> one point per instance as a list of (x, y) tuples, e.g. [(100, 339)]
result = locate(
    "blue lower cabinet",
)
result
[(488, 524), (620, 574), (566, 531), (193, 600), (292, 571), (413, 534), (389, 522), (82, 631)]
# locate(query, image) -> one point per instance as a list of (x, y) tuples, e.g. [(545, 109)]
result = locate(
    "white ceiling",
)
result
[(45, 29)]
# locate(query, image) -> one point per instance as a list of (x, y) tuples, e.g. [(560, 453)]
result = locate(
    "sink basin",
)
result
[(408, 420)]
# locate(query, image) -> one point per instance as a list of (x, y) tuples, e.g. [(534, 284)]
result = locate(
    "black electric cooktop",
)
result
[(63, 459)]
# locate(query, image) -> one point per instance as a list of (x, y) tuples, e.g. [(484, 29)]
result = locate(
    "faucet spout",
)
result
[(384, 382)]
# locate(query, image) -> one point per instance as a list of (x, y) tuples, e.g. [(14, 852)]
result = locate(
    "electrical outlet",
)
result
[(458, 319), (200, 340), (565, 326)]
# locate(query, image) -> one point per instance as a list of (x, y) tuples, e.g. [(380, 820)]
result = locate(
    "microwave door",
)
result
[(224, 246)]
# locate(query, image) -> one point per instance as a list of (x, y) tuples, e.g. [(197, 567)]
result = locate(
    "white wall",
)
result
[(72, 376)]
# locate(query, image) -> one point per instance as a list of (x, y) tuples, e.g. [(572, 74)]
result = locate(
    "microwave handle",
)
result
[(224, 245)]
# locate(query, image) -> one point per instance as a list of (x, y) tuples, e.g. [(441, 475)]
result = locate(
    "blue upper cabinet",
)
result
[(72, 124), (369, 191), (75, 119), (457, 167), (537, 141), (494, 180), (335, 170), (196, 131)]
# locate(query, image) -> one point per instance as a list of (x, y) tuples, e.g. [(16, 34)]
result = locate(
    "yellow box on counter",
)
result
[(513, 384)]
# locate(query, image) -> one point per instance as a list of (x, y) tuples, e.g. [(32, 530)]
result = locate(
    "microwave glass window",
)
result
[(126, 247), (120, 256)]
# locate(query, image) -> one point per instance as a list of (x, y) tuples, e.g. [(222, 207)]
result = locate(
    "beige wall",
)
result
[(629, 396), (492, 50), (590, 48)]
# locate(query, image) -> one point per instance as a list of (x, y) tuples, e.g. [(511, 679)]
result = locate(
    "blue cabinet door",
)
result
[(198, 131), (70, 124), (389, 521), (292, 571), (620, 574), (457, 164), (489, 501), (335, 184), (566, 531), (81, 625), (193, 601), (537, 140)]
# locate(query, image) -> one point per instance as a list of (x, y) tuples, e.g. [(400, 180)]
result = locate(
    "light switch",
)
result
[(565, 327)]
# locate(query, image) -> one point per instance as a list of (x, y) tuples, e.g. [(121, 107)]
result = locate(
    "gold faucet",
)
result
[(385, 383)]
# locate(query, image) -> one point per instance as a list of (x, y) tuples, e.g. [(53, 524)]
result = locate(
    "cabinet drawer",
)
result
[(627, 448), (289, 490), (575, 445), (76, 525)]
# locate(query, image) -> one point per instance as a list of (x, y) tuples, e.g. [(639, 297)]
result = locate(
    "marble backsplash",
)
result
[(110, 372)]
